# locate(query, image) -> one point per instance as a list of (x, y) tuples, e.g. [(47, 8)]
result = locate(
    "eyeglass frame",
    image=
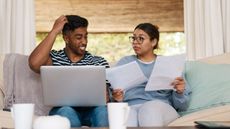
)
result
[(139, 39)]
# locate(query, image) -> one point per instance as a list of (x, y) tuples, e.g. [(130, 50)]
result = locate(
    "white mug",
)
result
[(118, 114), (22, 114)]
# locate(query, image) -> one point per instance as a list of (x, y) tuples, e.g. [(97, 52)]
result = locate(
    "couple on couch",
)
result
[(148, 108)]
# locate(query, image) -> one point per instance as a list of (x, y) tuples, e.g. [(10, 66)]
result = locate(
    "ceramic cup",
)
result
[(22, 114), (118, 114)]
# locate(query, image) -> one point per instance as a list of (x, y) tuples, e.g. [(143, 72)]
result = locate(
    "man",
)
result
[(74, 31)]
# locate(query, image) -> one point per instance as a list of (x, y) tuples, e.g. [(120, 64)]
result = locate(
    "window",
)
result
[(113, 46)]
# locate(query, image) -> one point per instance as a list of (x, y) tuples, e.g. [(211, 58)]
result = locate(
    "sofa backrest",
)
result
[(2, 56), (219, 59), (21, 84)]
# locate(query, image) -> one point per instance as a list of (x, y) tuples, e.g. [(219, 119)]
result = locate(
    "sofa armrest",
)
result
[(6, 120), (220, 113)]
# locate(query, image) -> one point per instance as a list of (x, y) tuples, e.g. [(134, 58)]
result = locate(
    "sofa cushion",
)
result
[(210, 84)]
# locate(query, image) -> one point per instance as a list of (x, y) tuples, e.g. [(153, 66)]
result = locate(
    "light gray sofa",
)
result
[(210, 98)]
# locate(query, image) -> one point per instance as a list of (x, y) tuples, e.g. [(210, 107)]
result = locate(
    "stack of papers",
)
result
[(125, 76), (165, 70)]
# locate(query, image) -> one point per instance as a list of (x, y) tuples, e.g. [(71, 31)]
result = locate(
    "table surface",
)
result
[(178, 127)]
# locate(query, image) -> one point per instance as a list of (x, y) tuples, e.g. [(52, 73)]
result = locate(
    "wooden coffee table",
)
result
[(174, 127)]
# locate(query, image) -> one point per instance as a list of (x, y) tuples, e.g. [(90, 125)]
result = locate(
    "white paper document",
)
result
[(125, 76), (165, 70)]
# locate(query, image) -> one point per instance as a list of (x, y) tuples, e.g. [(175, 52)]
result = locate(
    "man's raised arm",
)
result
[(41, 54)]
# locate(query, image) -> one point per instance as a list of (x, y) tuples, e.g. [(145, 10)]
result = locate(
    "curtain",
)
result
[(207, 27), (17, 26)]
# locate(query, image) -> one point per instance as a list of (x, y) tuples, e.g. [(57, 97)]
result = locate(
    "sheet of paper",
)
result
[(165, 70), (125, 76)]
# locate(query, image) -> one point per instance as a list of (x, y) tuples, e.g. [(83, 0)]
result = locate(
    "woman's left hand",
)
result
[(179, 85)]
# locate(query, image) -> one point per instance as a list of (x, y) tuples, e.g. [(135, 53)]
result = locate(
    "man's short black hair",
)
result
[(74, 22)]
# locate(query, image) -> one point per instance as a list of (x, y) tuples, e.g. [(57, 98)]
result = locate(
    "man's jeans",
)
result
[(83, 116)]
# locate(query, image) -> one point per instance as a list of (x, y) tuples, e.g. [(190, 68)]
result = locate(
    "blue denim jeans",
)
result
[(83, 116)]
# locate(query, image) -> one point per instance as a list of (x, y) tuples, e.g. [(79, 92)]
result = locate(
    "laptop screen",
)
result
[(73, 85)]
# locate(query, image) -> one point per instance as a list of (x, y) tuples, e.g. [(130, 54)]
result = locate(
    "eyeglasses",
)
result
[(138, 39)]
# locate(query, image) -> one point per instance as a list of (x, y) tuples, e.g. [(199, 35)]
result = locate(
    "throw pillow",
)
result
[(210, 85)]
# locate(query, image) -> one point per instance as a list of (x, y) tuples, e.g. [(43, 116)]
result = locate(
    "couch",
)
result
[(208, 78)]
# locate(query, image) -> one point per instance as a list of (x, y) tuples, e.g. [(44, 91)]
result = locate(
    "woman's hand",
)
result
[(118, 95), (179, 85)]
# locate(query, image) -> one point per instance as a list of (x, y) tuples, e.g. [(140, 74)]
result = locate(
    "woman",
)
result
[(151, 108)]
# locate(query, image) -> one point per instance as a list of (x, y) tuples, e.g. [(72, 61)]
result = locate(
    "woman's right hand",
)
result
[(118, 95)]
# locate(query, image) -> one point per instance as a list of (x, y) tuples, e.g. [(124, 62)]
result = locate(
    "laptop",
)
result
[(213, 124), (73, 85)]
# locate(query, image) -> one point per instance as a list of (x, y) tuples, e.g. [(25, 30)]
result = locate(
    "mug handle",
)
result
[(126, 115)]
